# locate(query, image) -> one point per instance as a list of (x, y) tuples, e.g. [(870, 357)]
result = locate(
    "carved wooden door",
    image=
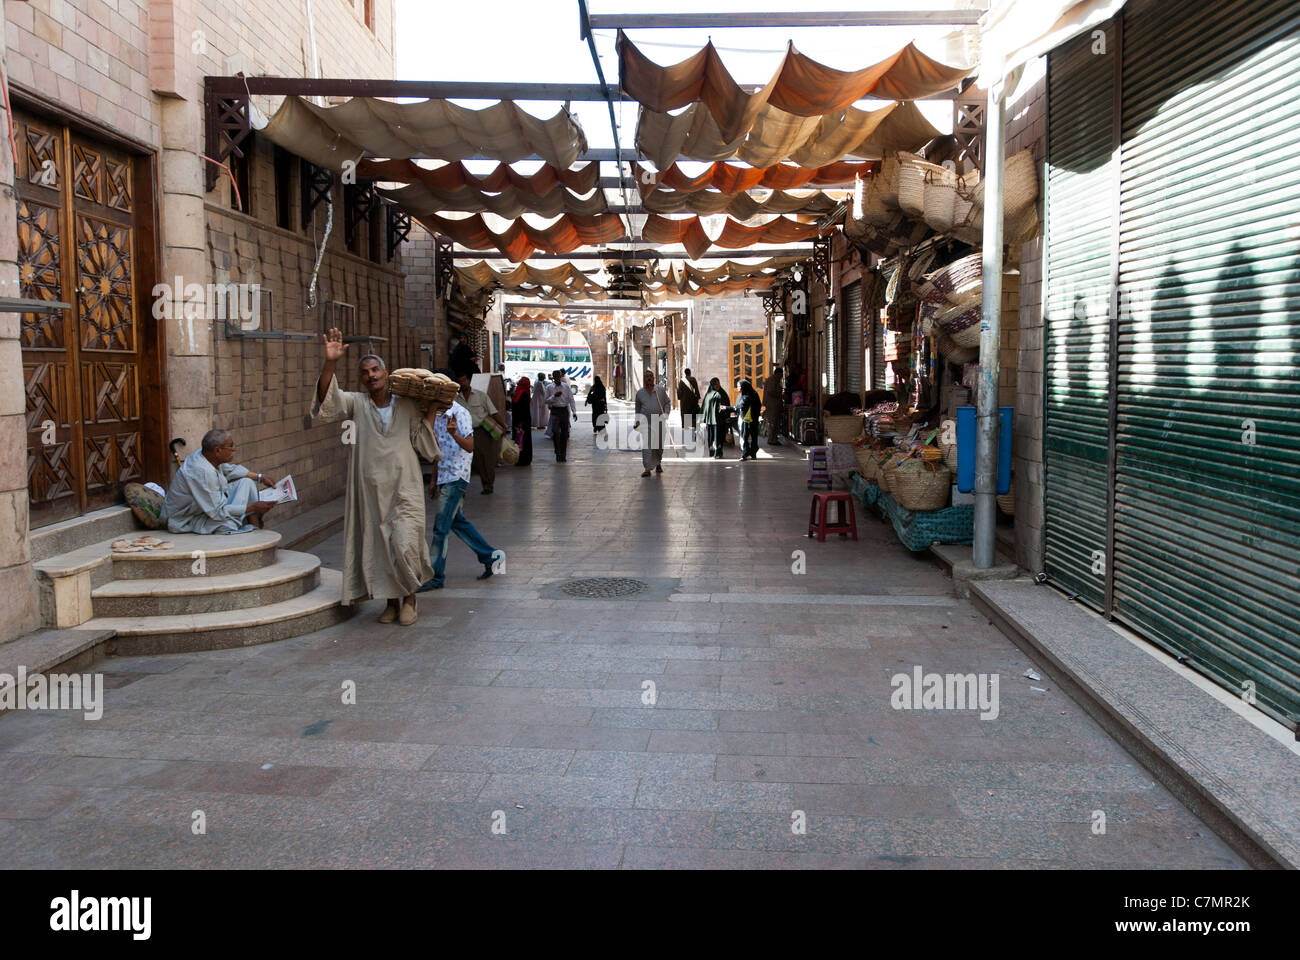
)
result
[(748, 361), (81, 365)]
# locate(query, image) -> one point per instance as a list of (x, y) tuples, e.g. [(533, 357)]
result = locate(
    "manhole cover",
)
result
[(603, 588)]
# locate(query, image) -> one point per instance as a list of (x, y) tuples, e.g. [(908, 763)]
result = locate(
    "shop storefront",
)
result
[(1171, 434)]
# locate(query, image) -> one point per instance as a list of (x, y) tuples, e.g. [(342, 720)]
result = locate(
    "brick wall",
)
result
[(713, 321), (1023, 356)]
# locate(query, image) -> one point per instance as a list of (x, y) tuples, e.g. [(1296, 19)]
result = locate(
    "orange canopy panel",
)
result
[(728, 178), (801, 86), (741, 206), (690, 233), (418, 200), (519, 241), (455, 176)]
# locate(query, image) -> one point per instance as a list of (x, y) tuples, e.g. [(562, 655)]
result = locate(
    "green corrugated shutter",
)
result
[(1076, 361), (1207, 527)]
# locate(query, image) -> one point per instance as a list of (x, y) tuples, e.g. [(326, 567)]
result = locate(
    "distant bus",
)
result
[(528, 358)]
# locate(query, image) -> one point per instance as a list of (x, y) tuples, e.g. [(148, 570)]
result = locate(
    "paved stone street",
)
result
[(508, 706)]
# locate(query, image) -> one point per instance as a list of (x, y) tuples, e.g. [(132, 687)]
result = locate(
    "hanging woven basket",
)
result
[(1007, 503), (956, 283), (887, 181), (940, 199), (912, 171)]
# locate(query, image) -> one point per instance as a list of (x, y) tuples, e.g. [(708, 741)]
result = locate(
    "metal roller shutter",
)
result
[(1076, 361), (1207, 526), (853, 354)]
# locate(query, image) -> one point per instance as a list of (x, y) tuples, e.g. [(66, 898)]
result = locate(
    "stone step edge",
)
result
[(327, 594), (289, 565), (1225, 810), (51, 651), (89, 557)]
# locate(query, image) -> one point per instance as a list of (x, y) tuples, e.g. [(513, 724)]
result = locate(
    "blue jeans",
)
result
[(451, 519)]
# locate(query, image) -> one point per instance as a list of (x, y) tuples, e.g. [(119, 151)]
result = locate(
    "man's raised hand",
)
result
[(334, 345)]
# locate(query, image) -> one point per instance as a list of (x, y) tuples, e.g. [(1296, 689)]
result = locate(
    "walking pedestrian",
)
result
[(521, 414), (384, 553), (539, 402), (748, 413), (773, 406), (715, 398), (688, 402), (652, 406), (455, 432), (562, 404), (599, 405), (489, 427)]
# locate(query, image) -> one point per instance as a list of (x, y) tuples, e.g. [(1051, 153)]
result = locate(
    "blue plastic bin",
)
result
[(966, 449)]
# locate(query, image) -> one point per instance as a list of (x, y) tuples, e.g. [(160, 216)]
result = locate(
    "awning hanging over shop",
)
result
[(801, 86), (775, 135), (690, 233), (520, 239), (481, 274), (1013, 32), (729, 178), (679, 275), (329, 136), (455, 176), (741, 206)]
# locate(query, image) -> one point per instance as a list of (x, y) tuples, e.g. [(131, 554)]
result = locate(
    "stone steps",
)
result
[(219, 630), (292, 575), (203, 593)]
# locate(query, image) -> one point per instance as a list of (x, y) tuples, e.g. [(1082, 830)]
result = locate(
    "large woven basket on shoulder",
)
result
[(423, 386)]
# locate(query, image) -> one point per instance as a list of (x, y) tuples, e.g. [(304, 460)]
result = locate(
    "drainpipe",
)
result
[(986, 400)]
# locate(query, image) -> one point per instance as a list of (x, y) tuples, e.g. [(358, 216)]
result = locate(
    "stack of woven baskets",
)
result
[(843, 428), (424, 386)]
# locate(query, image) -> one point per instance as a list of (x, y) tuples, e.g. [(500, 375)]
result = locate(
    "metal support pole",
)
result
[(986, 401)]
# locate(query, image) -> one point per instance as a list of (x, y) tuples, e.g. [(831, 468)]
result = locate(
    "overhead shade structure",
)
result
[(690, 233), (801, 86), (728, 178), (775, 135), (567, 275), (679, 275), (521, 239), (455, 176), (329, 136), (1013, 32), (724, 288), (418, 200), (741, 206)]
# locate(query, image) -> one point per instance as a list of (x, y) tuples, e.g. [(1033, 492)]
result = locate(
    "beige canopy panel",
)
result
[(679, 275), (801, 86), (328, 136), (690, 233), (510, 203), (728, 178), (520, 240), (565, 276), (1013, 32), (741, 206), (725, 288), (776, 135), (455, 176)]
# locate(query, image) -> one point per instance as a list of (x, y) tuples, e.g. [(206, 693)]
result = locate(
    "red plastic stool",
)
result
[(818, 523), (818, 468)]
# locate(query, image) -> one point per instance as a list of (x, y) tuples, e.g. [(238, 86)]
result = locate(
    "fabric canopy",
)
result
[(741, 206), (520, 240), (565, 276), (329, 136), (690, 233), (801, 86), (724, 288), (776, 135), (728, 178), (1013, 32), (679, 274), (418, 200), (455, 176)]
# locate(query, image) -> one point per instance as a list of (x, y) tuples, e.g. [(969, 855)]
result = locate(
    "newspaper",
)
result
[(282, 492)]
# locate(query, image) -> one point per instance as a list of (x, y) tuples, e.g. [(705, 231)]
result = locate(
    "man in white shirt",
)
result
[(652, 409), (561, 404), (454, 431)]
